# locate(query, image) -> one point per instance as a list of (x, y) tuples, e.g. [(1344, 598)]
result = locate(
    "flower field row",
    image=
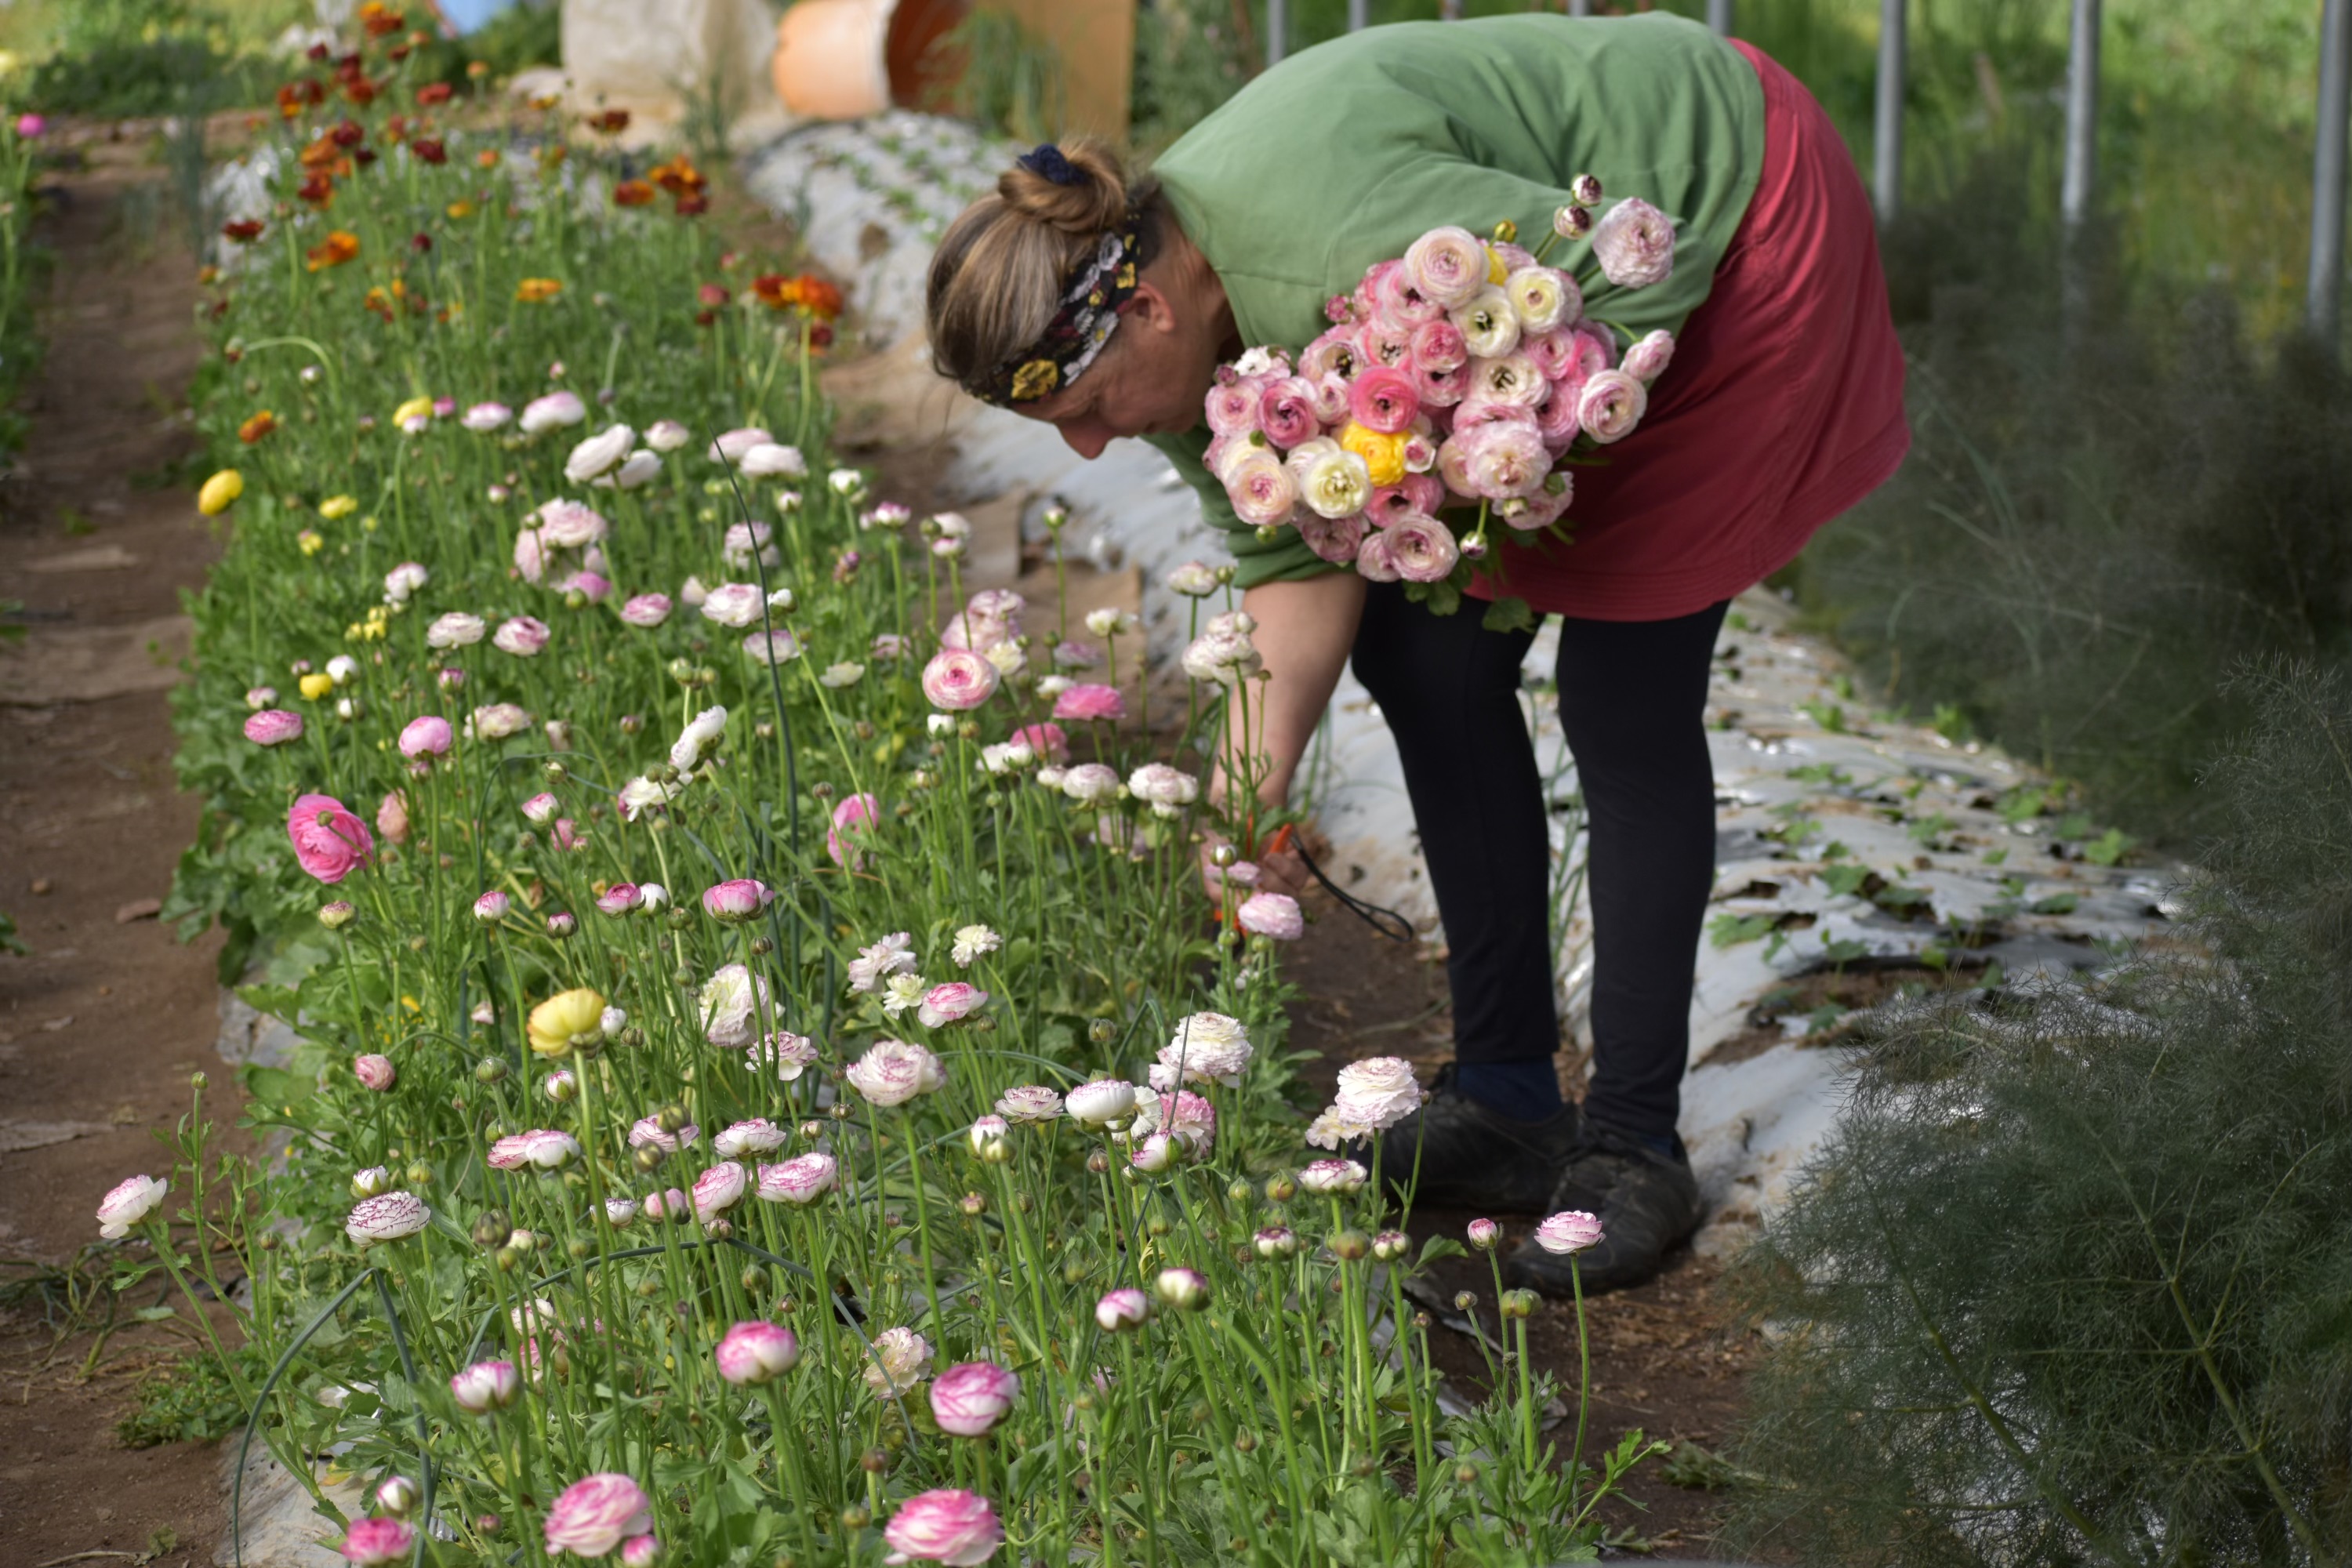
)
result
[(775, 1088)]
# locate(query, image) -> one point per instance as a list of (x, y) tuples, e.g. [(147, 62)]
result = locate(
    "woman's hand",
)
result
[(1279, 869)]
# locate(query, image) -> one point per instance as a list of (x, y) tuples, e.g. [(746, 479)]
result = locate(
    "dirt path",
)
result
[(102, 1025)]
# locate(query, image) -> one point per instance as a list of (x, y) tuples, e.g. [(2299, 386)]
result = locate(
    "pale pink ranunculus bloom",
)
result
[(590, 585), (1373, 562), (666, 435), (1610, 405), (1123, 1309), (545, 1148), (1647, 360), (273, 727), (957, 679), (893, 1072), (1100, 1102), (1029, 1102), (1447, 266), (1329, 1176), (1569, 1231), (748, 542), (1090, 701), (757, 1136), (539, 809), (900, 1359), (1378, 1091), (521, 635), (641, 1551), (484, 418), (1091, 784), (893, 954), (556, 411), (594, 1514), (803, 1179), (1338, 540), (1512, 379), (600, 454), (672, 1206), (374, 1071), (853, 821), (1048, 740), (1164, 789), (736, 605), (972, 1397), (330, 843), (733, 1000), (620, 898), (791, 1055), (484, 1386), (1183, 1116), (1422, 548), (373, 1542), (393, 1217), (456, 630), (718, 1189), (1264, 493), (1231, 408), (948, 1003), (755, 1352), (428, 735), (645, 610), (1207, 1047), (768, 460), (775, 647), (1634, 244), (127, 1203), (731, 446), (498, 721), (1272, 914), (737, 900)]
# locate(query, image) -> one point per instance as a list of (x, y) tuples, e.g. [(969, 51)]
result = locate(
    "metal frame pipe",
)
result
[(1580, 8), (1360, 15), (1719, 16), (2082, 114), (2324, 289), (1278, 30), (1886, 152)]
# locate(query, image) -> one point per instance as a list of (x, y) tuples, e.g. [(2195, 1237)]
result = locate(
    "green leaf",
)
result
[(1510, 614)]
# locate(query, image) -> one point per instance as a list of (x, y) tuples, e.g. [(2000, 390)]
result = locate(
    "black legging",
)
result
[(1631, 701)]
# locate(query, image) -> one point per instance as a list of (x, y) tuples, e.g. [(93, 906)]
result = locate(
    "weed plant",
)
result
[(2071, 1282)]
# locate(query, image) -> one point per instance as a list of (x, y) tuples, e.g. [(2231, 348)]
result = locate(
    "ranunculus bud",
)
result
[(1390, 1245), (371, 1182), (1123, 1309), (969, 1399), (1185, 1290), (754, 1352), (1516, 1303), (373, 1071), (335, 916), (1485, 1234), (1274, 1243), (988, 1137), (1349, 1246), (397, 1496), (492, 906)]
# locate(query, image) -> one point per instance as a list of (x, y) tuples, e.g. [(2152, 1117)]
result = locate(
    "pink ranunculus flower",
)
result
[(893, 1072), (484, 418), (543, 1148), (757, 1136), (1092, 702), (1378, 1091), (1446, 265), (1330, 1176), (731, 446), (900, 1358), (594, 1514), (756, 1353), (645, 610), (736, 605), (1047, 742), (641, 1551), (1422, 548), (1610, 405), (733, 1002), (492, 906), (127, 1203), (555, 411), (854, 820), (1647, 360), (426, 736), (1335, 539), (1091, 784), (946, 1003), (1272, 914), (718, 1189), (521, 636), (957, 680), (372, 1543), (970, 1398), (740, 899), (620, 898), (1029, 1102), (1374, 562), (484, 1386), (1287, 411), (1384, 399), (803, 1179), (1123, 1309), (374, 1071), (1634, 244), (589, 586), (389, 1217), (330, 843), (273, 727), (1504, 458), (1232, 407), (1569, 1231)]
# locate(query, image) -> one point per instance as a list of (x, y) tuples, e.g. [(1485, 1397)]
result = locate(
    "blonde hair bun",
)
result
[(1093, 201)]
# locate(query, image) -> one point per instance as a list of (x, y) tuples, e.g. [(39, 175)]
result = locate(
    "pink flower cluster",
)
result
[(1459, 373)]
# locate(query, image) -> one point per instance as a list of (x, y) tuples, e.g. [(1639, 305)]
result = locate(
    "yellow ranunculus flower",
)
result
[(415, 408), (460, 211), (316, 686), (309, 541), (1383, 454), (335, 507), (564, 1017), (219, 491), (1496, 271)]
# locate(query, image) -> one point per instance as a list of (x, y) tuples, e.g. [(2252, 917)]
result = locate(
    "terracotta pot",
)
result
[(839, 59)]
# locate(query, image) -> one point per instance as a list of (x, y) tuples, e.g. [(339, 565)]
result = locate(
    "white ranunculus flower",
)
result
[(666, 435), (600, 454), (770, 461), (642, 469), (705, 728), (1337, 485), (126, 1203)]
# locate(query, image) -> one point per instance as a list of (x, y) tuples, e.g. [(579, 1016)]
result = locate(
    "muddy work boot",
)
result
[(1646, 1202), (1473, 1156)]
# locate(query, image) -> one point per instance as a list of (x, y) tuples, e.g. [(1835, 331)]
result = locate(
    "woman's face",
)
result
[(1149, 379)]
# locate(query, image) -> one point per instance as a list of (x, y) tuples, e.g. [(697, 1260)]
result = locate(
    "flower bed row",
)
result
[(775, 1088)]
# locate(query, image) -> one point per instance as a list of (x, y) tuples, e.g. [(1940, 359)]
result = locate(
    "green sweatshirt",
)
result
[(1344, 155)]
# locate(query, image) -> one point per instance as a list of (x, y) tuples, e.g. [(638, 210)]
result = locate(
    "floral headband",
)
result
[(1088, 313)]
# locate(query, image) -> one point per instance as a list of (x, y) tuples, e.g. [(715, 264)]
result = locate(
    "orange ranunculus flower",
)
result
[(611, 122), (434, 92), (632, 193), (321, 153), (318, 189), (460, 211), (692, 203), (255, 428), (377, 302), (768, 288), (360, 90), (381, 20), (679, 176), (488, 158), (534, 290), (429, 149), (805, 291), (341, 246), (347, 132)]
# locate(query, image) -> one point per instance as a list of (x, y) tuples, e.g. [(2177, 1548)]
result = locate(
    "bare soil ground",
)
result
[(102, 1025)]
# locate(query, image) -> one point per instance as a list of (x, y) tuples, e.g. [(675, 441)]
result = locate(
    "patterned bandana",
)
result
[(1088, 313)]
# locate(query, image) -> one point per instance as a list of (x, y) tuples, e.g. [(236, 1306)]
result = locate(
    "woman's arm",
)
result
[(1305, 629)]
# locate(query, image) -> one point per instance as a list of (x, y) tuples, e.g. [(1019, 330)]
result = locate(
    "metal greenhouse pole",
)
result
[(2323, 290), (1886, 155), (2082, 114), (1719, 16), (1278, 30)]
